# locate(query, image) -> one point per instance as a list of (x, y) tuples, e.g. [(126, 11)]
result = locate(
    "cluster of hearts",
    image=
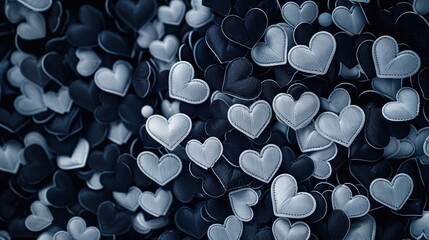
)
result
[(219, 119)]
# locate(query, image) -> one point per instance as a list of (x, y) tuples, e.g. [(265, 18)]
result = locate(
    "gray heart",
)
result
[(418, 139), (115, 81), (34, 27), (94, 182), (62, 235), (250, 121), (59, 102), (164, 50), (77, 159), (15, 76), (15, 11), (77, 229), (337, 100), (419, 227), (296, 114), (9, 161), (204, 154), (350, 73), (172, 14), (88, 62), (143, 226), (169, 133), (342, 129), (284, 230), (352, 206), (363, 228), (241, 201), (351, 20), (128, 200), (310, 140), (386, 86), (156, 204), (261, 166), (421, 7), (406, 149), (289, 203), (184, 87), (118, 133), (392, 194), (168, 108), (317, 57), (273, 51), (150, 32), (406, 107), (199, 15), (294, 14), (390, 63), (31, 100), (37, 5), (161, 170), (230, 230), (40, 217), (426, 146), (321, 158), (392, 148)]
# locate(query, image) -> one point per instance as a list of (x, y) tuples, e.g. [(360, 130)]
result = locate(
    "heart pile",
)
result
[(214, 119)]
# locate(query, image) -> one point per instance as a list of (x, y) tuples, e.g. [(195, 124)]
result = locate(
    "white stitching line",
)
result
[(159, 161), (203, 145), (256, 175), (249, 111), (391, 184)]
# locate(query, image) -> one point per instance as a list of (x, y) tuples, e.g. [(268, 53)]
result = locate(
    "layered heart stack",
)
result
[(218, 119)]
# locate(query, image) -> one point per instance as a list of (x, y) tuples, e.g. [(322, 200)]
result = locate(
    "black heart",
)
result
[(38, 167), (219, 124), (56, 67), (214, 75), (202, 55), (11, 121), (33, 71), (119, 180), (9, 204), (139, 179), (185, 187), (63, 192), (218, 208), (390, 230), (233, 145), (62, 124), (210, 183), (111, 220), (321, 208), (135, 14), (376, 132), (224, 49), (303, 33), (91, 24), (190, 221), (107, 111), (115, 44), (346, 52), (284, 74), (269, 89), (248, 31), (222, 7), (238, 81), (364, 57), (105, 160), (229, 176), (365, 172), (85, 95), (130, 112), (301, 168), (335, 226), (90, 199), (361, 150), (140, 79)]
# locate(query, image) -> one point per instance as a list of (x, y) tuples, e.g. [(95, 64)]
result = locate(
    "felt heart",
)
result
[(421, 7), (172, 14), (184, 87), (354, 206), (32, 70), (362, 228), (179, 126), (386, 86), (317, 57), (287, 201), (158, 203), (77, 159), (59, 102), (38, 165), (294, 14), (129, 200), (149, 32), (247, 31), (115, 81), (342, 128), (221, 7), (34, 27), (190, 221), (351, 20), (40, 217), (166, 49), (250, 121), (273, 51), (406, 107), (232, 229), (38, 6), (9, 161), (241, 201), (111, 220), (62, 193), (321, 158), (116, 44), (301, 169), (419, 227), (144, 226), (310, 140), (392, 194), (263, 165), (31, 100), (77, 229), (136, 14), (296, 114), (238, 81), (390, 63), (284, 230), (88, 62), (119, 180), (204, 154), (337, 100), (161, 170), (222, 48), (118, 133), (199, 15), (91, 24), (84, 95)]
